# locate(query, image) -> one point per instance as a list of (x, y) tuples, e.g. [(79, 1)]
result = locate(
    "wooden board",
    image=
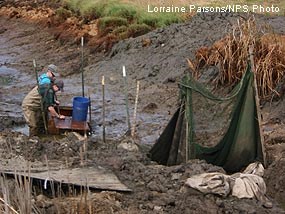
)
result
[(96, 178)]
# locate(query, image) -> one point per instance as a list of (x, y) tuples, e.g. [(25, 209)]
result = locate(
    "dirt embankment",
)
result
[(158, 60)]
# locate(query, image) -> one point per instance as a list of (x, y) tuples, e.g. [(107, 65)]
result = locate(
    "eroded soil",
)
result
[(158, 61)]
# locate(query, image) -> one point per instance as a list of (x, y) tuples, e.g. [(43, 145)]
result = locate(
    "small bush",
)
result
[(167, 19), (94, 10), (160, 19), (107, 24), (149, 20), (63, 13), (121, 32), (122, 10), (135, 30), (98, 8)]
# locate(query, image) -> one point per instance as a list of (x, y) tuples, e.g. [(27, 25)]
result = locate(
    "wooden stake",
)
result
[(58, 109), (89, 107), (42, 105), (135, 110), (251, 55), (126, 98), (103, 107), (82, 76), (81, 156)]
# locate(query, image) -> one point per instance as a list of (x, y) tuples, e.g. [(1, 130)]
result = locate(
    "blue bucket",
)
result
[(80, 108)]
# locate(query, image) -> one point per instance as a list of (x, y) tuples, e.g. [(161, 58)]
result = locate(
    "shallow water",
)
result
[(17, 78), (24, 129)]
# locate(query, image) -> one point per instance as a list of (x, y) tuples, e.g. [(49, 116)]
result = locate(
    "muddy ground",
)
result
[(158, 61)]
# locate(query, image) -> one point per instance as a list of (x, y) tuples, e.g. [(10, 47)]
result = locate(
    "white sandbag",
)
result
[(210, 183), (248, 184)]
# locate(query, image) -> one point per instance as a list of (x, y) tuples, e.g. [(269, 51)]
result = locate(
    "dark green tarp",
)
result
[(240, 145)]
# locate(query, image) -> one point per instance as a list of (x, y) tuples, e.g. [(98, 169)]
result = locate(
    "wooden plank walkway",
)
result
[(91, 177)]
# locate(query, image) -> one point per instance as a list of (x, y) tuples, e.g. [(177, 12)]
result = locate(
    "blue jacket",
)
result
[(44, 79)]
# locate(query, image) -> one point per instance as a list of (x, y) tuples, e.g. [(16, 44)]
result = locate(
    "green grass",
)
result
[(108, 23), (117, 8), (129, 18), (117, 19)]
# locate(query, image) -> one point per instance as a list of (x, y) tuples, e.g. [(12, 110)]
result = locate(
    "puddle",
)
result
[(7, 76), (24, 129), (4, 70), (116, 121), (15, 85), (5, 80), (11, 76), (16, 81)]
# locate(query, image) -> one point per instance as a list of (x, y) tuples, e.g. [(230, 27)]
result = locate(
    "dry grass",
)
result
[(231, 56), (16, 197)]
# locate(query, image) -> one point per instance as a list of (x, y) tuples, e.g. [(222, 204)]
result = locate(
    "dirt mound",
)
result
[(155, 188)]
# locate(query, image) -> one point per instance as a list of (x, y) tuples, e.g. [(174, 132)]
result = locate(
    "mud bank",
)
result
[(158, 65)]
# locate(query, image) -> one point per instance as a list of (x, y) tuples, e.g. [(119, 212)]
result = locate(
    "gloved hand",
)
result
[(61, 117)]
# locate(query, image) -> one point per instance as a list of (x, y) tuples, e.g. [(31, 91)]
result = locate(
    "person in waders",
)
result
[(31, 106)]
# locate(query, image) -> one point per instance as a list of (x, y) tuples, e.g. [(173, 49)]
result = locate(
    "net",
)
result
[(222, 130)]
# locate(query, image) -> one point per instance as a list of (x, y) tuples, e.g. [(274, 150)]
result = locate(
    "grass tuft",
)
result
[(63, 13), (108, 24)]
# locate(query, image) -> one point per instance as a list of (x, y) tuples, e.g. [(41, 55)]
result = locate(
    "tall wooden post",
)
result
[(103, 108), (126, 98), (256, 96), (135, 110), (82, 62)]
